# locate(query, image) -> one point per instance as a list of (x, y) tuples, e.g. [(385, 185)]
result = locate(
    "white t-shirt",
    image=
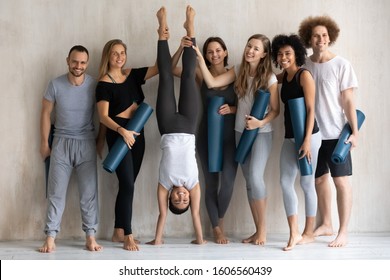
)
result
[(331, 78), (245, 104), (178, 166)]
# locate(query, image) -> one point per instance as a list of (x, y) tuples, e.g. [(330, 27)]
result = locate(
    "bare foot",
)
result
[(92, 245), (306, 238), (130, 244), (119, 236), (155, 242), (340, 241), (219, 236), (49, 245), (163, 25), (189, 23), (249, 239), (294, 240), (258, 238), (323, 230), (199, 242)]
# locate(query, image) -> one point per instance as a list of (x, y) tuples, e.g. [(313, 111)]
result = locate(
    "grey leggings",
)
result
[(288, 172), (169, 120), (254, 166)]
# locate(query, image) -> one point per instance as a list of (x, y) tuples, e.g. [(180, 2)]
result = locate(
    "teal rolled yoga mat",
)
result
[(341, 150), (47, 160), (248, 136), (120, 148), (215, 125), (298, 119)]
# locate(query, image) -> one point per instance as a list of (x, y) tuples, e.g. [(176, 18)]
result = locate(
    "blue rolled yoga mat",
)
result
[(341, 150), (215, 124), (47, 160), (120, 148), (248, 136), (298, 119)]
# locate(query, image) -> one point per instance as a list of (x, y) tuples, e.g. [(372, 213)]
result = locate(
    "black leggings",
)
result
[(126, 172), (169, 120)]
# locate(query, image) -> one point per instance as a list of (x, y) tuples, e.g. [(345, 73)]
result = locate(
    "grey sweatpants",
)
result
[(67, 155)]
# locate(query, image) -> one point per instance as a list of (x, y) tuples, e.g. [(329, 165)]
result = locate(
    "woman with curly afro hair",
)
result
[(289, 54)]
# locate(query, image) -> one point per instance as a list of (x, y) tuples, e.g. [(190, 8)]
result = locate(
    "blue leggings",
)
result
[(169, 120)]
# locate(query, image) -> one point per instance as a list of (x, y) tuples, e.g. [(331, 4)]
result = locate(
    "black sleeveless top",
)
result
[(291, 90)]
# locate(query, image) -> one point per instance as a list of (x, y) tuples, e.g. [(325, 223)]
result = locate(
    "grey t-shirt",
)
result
[(74, 107)]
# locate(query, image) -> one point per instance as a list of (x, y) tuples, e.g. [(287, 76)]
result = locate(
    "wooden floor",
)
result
[(367, 256), (375, 246)]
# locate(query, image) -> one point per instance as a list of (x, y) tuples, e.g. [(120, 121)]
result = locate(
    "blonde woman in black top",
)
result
[(118, 94)]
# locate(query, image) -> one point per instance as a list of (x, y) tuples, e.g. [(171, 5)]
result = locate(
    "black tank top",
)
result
[(291, 90)]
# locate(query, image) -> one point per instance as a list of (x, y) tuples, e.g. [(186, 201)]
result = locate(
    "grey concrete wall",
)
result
[(35, 37)]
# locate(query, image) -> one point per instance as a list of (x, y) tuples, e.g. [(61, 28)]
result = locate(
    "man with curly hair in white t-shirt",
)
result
[(335, 105)]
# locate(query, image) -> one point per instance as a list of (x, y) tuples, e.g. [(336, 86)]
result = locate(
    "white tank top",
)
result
[(245, 104)]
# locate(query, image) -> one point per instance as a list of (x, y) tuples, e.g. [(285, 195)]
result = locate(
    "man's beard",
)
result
[(75, 74)]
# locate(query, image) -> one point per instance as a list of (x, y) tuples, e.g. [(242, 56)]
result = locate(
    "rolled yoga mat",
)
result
[(120, 148), (341, 150), (215, 124), (298, 119), (47, 160), (248, 136)]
